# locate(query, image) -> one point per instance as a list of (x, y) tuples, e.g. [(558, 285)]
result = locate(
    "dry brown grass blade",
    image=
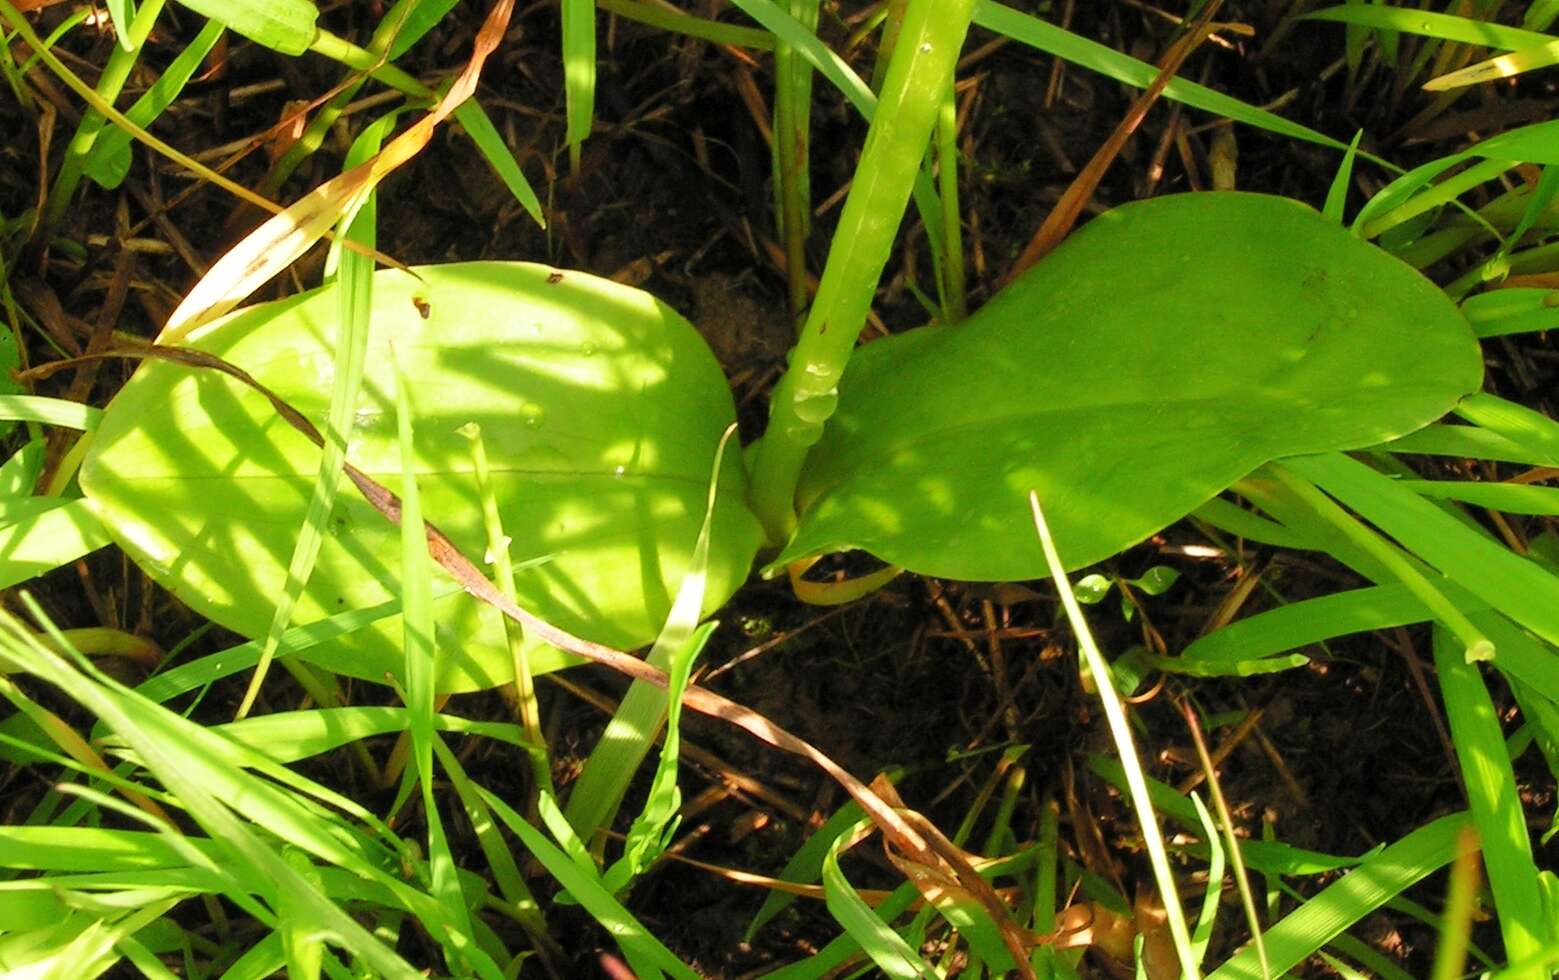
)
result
[(1070, 207), (278, 242), (903, 829)]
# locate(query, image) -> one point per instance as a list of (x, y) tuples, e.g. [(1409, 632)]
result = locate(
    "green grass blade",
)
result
[(354, 279), (805, 865), (1515, 586), (680, 23), (1509, 498), (288, 736), (1362, 890), (652, 830), (50, 411), (44, 541), (420, 651), (108, 162), (1337, 194), (886, 948), (598, 792), (1203, 933), (1534, 432), (1463, 441), (1500, 312), (284, 26), (155, 735), (514, 635), (109, 84), (578, 73), (495, 149), (1299, 624), (1120, 730), (1424, 23), (1036, 33), (1494, 802), (585, 886)]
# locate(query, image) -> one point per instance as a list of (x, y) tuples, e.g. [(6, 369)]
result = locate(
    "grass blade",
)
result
[(1495, 803), (1377, 879), (354, 282), (1120, 729), (43, 542), (598, 793), (578, 73)]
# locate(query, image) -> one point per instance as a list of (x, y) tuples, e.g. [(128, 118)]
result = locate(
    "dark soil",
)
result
[(931, 678)]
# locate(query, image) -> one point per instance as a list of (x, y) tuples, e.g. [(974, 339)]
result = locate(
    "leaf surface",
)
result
[(600, 406), (1161, 353)]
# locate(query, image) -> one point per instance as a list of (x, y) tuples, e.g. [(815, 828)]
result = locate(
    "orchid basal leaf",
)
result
[(600, 406), (1164, 351)]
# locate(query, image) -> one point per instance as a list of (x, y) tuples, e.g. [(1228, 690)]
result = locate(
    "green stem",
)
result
[(920, 70), (339, 49), (792, 126), (109, 85)]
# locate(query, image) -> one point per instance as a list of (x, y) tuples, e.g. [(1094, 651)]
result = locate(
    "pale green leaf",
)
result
[(1247, 328)]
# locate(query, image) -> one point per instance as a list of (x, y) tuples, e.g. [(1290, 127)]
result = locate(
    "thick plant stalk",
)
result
[(919, 73)]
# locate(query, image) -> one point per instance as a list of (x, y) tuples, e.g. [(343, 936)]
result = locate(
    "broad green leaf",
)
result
[(600, 406), (1163, 352)]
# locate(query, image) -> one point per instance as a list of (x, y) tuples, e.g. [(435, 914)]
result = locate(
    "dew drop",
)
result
[(816, 408), (804, 433), (531, 414)]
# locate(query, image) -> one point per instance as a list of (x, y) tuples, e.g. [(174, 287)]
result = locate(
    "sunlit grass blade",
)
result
[(1425, 23), (177, 763), (46, 540), (1300, 624), (1500, 312), (1494, 802), (1377, 879), (108, 161), (1532, 431), (651, 832), (354, 280), (420, 651), (496, 151), (578, 73), (284, 26), (1120, 730), (598, 792), (1514, 585), (109, 84), (1463, 441), (50, 411), (584, 885), (1509, 498), (887, 948), (1387, 557), (681, 23), (1089, 54), (288, 736), (1203, 933), (514, 636)]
